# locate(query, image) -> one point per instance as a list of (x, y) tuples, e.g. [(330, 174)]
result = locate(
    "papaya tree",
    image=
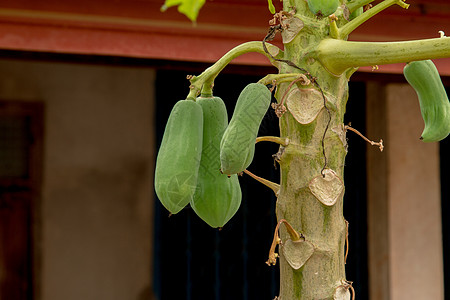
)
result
[(201, 154)]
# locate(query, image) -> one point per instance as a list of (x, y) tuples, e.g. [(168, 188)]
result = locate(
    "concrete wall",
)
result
[(97, 193), (415, 207), (404, 200)]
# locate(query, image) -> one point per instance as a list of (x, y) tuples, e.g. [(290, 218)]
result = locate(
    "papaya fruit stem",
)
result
[(337, 56), (274, 139), (379, 144), (334, 30), (272, 185), (348, 28), (207, 90), (206, 79)]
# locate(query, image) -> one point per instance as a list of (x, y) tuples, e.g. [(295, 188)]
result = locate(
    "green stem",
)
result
[(354, 5), (334, 30), (274, 139), (277, 79), (338, 55), (207, 90), (206, 79), (348, 28)]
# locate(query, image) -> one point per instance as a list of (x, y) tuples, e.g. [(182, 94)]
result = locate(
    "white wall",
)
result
[(97, 193)]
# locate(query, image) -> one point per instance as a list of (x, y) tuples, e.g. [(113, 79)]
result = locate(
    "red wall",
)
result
[(137, 28)]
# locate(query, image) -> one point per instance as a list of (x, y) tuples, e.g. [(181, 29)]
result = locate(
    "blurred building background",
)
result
[(85, 90)]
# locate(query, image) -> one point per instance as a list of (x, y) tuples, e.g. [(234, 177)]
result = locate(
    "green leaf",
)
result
[(271, 7), (190, 8)]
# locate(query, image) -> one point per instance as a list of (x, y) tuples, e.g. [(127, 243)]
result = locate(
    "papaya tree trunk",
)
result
[(323, 225), (318, 217), (312, 171)]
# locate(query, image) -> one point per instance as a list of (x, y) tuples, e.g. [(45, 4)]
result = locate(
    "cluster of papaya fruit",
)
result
[(424, 77), (201, 154)]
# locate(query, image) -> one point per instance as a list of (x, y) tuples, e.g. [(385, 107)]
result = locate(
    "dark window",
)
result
[(196, 262), (355, 199)]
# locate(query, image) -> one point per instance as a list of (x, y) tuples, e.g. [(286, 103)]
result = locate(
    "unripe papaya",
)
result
[(323, 8), (179, 156), (356, 13), (433, 101), (238, 142), (217, 197)]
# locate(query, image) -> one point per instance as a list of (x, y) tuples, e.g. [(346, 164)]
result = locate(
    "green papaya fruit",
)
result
[(323, 8), (356, 13), (238, 142), (179, 156), (424, 77), (217, 196)]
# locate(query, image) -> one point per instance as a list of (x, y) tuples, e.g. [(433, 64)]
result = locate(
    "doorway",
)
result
[(20, 157)]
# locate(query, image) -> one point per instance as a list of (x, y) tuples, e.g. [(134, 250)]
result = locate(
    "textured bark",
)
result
[(301, 161)]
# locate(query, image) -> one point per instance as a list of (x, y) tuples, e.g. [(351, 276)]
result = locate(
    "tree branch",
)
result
[(337, 55), (206, 79)]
